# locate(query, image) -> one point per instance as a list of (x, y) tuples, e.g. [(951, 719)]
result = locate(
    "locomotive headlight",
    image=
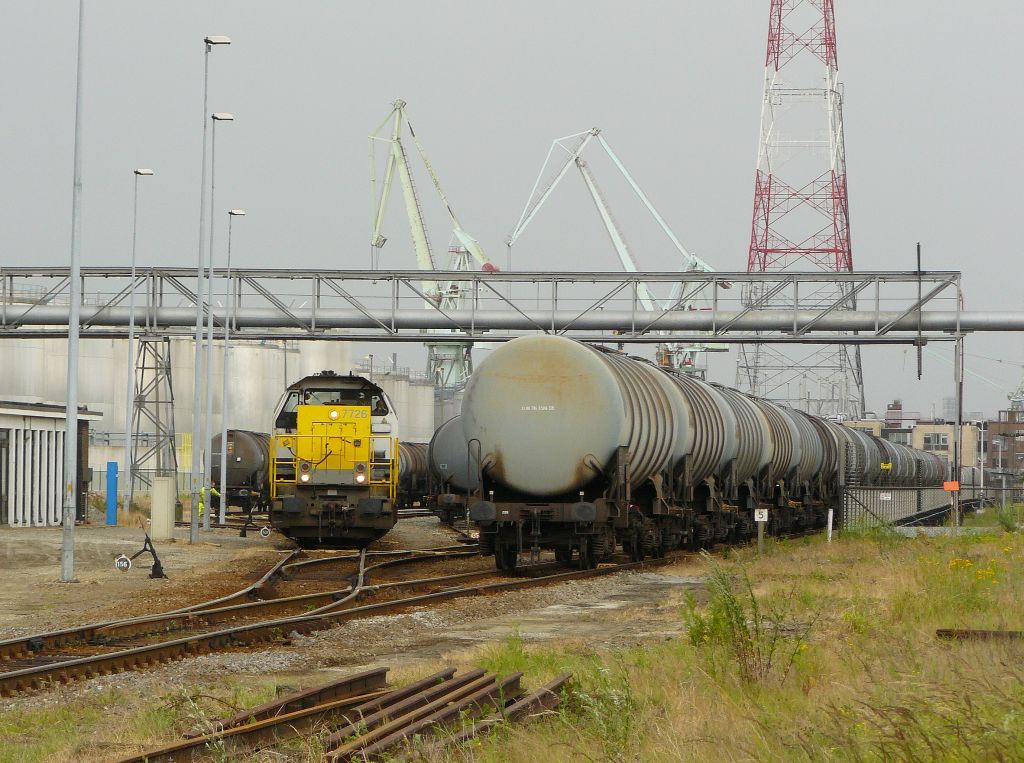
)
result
[(333, 414), (360, 478), (304, 477)]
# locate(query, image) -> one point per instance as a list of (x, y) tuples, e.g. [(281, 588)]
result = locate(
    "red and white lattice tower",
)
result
[(801, 219)]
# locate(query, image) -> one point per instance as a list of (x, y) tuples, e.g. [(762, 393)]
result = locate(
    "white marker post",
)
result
[(831, 513), (761, 517)]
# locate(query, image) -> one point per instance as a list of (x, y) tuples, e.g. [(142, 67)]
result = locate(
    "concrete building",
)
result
[(1004, 443), (258, 373), (939, 438), (933, 436), (32, 462), (871, 426), (412, 395)]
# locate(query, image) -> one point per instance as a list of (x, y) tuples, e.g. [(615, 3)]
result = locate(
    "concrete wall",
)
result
[(871, 426), (413, 400), (36, 371)]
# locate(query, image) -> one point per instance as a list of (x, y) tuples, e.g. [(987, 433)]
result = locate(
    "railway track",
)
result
[(34, 663)]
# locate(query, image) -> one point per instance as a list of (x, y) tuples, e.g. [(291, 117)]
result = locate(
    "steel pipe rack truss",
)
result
[(882, 307)]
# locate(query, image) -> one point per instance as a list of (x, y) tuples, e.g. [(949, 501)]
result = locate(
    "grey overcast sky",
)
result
[(932, 111)]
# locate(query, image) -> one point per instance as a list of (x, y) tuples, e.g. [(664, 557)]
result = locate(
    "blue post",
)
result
[(111, 492)]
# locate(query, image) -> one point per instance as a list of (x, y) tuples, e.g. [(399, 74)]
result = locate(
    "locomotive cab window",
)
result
[(288, 416), (378, 406)]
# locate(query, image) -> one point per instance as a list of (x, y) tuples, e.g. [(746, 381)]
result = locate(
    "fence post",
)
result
[(112, 493)]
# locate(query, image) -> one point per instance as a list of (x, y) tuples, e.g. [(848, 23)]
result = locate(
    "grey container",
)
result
[(448, 458)]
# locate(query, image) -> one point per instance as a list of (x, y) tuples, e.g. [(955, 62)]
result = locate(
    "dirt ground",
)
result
[(614, 610), (33, 599)]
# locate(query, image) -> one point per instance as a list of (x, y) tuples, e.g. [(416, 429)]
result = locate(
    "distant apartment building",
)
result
[(1004, 441), (935, 436)]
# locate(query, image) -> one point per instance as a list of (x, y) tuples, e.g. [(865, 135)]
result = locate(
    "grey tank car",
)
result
[(454, 471), (247, 483), (585, 450)]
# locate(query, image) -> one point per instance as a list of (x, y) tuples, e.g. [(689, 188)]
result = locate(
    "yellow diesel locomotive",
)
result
[(333, 462)]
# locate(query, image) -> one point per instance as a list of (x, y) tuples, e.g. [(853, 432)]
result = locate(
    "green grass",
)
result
[(817, 652)]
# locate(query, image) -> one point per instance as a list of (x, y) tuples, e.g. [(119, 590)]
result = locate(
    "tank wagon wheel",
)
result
[(650, 539), (588, 559), (635, 536), (506, 556)]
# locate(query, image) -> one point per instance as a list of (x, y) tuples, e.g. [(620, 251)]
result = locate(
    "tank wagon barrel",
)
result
[(412, 475), (412, 464), (247, 468), (583, 449), (454, 474)]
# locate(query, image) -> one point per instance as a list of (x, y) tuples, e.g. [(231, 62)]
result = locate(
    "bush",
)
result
[(756, 639)]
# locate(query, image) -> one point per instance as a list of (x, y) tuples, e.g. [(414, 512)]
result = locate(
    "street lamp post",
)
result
[(197, 376), (207, 419), (228, 298), (130, 380), (1002, 477), (70, 506)]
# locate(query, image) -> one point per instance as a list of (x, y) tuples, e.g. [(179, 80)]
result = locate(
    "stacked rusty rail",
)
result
[(360, 720)]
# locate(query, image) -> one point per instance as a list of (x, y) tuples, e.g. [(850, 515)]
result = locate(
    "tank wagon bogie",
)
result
[(334, 468), (585, 450)]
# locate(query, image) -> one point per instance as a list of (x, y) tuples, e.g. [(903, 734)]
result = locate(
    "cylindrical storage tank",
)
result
[(933, 467), (869, 466), (550, 414), (248, 458), (830, 444), (906, 467), (785, 439), (754, 447), (712, 426), (812, 449), (849, 449), (654, 429), (449, 458), (412, 463), (898, 468)]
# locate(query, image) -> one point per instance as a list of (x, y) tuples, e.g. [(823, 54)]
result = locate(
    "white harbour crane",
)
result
[(449, 364), (687, 358)]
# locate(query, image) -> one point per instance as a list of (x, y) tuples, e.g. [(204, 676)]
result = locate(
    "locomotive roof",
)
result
[(331, 380)]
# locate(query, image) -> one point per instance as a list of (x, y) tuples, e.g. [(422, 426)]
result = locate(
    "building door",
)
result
[(5, 437)]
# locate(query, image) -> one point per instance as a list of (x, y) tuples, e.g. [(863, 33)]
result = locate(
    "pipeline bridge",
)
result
[(879, 307)]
